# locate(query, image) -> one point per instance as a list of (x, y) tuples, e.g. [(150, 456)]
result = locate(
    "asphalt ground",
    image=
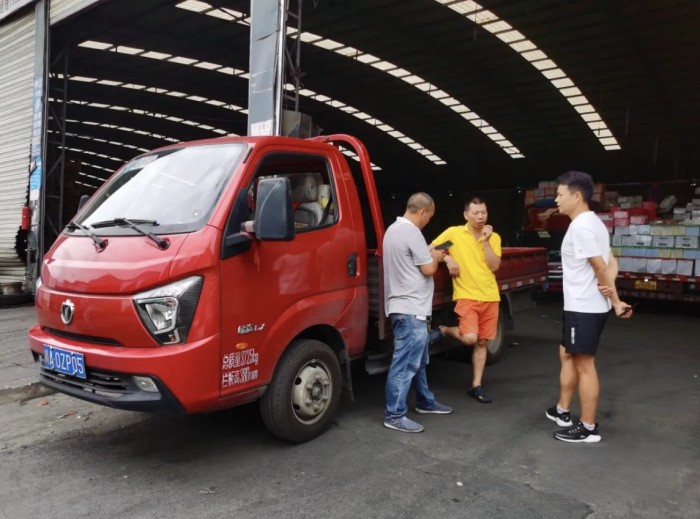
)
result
[(62, 457)]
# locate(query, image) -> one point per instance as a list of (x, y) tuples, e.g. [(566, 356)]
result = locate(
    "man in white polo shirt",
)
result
[(589, 272)]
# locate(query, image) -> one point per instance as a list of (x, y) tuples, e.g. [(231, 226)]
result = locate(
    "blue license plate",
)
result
[(66, 362)]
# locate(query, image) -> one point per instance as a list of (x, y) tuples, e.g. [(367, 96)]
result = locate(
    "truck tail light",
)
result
[(168, 311)]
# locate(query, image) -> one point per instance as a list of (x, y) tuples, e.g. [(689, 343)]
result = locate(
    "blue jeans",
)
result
[(407, 365)]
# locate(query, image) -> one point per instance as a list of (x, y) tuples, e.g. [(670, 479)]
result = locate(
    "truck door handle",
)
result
[(352, 265)]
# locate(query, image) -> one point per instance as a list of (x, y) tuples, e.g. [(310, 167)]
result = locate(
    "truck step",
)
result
[(377, 363)]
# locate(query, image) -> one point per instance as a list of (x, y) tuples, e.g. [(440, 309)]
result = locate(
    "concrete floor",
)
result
[(62, 457)]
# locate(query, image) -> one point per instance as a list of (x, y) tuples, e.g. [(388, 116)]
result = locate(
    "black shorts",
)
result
[(580, 332)]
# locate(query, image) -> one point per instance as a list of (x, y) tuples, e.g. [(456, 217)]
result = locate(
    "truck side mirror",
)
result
[(83, 200), (274, 219)]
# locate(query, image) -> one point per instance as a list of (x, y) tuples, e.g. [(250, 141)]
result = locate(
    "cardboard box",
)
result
[(639, 264), (662, 241), (621, 222), (685, 267), (697, 268), (687, 242), (656, 230), (654, 266), (644, 229), (692, 230), (664, 253), (630, 251), (641, 240), (676, 253), (616, 240), (616, 251), (668, 266), (622, 230), (691, 254), (638, 219), (625, 264), (652, 252), (621, 214)]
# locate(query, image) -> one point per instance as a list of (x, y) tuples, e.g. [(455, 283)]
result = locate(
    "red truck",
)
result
[(214, 273)]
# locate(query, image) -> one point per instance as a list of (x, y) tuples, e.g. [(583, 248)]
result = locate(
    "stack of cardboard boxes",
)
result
[(669, 248)]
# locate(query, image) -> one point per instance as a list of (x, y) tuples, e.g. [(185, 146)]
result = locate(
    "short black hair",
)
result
[(578, 181), (475, 199)]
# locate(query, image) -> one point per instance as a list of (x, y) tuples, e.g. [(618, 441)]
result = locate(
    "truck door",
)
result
[(278, 288)]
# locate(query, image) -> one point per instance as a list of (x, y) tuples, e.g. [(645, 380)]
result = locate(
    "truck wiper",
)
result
[(161, 242), (100, 244)]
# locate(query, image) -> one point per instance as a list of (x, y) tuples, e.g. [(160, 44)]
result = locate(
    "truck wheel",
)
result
[(304, 394), (496, 347)]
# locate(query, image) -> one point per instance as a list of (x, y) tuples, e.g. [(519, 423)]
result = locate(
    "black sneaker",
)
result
[(562, 419), (578, 434), (479, 395)]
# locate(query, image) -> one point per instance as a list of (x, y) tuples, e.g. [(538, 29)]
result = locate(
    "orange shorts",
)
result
[(478, 317)]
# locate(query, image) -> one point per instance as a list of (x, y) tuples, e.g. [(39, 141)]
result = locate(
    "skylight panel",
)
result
[(156, 55), (367, 58), (181, 60), (553, 73), (123, 49), (328, 44), (219, 13), (570, 92), (497, 26), (562, 83), (512, 36), (82, 79), (194, 5), (536, 57), (89, 44), (522, 46), (208, 66), (348, 52), (383, 65), (544, 64), (399, 72)]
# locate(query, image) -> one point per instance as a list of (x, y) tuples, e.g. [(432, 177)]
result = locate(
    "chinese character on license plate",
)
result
[(66, 362)]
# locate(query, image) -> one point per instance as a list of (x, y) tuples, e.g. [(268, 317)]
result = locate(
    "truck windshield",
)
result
[(173, 190)]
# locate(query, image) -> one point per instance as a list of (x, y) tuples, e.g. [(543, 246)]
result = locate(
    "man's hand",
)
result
[(486, 232), (438, 255), (606, 290), (623, 310), (452, 266)]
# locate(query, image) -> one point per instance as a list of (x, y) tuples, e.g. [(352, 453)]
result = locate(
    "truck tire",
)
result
[(303, 396), (496, 348)]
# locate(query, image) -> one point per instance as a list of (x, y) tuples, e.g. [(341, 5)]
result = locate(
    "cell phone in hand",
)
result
[(444, 246)]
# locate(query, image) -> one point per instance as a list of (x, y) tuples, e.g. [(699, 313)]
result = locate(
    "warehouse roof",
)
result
[(446, 94)]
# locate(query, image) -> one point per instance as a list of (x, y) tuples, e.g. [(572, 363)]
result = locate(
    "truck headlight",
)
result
[(168, 311)]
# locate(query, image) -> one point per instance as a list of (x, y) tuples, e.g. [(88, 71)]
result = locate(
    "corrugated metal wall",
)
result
[(17, 42), (60, 9)]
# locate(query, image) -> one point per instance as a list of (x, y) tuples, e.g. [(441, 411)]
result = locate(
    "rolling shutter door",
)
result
[(17, 48), (61, 9)]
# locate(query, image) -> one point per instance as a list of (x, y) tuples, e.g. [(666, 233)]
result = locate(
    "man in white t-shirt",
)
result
[(589, 272)]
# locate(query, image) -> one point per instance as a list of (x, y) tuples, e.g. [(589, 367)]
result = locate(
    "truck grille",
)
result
[(82, 338), (110, 385)]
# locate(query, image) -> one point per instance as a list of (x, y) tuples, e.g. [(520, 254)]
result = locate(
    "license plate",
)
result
[(66, 362), (640, 284)]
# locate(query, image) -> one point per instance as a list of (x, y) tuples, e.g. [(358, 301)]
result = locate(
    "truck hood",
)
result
[(127, 265)]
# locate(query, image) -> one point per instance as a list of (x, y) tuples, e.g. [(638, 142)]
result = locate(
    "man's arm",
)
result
[(430, 268), (493, 260), (606, 274)]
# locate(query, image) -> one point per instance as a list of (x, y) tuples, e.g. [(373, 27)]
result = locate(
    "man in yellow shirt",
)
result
[(474, 257)]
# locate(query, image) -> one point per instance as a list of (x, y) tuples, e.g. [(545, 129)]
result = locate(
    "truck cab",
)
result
[(210, 274)]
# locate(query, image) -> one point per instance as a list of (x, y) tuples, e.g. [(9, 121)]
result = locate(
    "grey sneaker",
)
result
[(436, 408), (562, 419), (403, 424)]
